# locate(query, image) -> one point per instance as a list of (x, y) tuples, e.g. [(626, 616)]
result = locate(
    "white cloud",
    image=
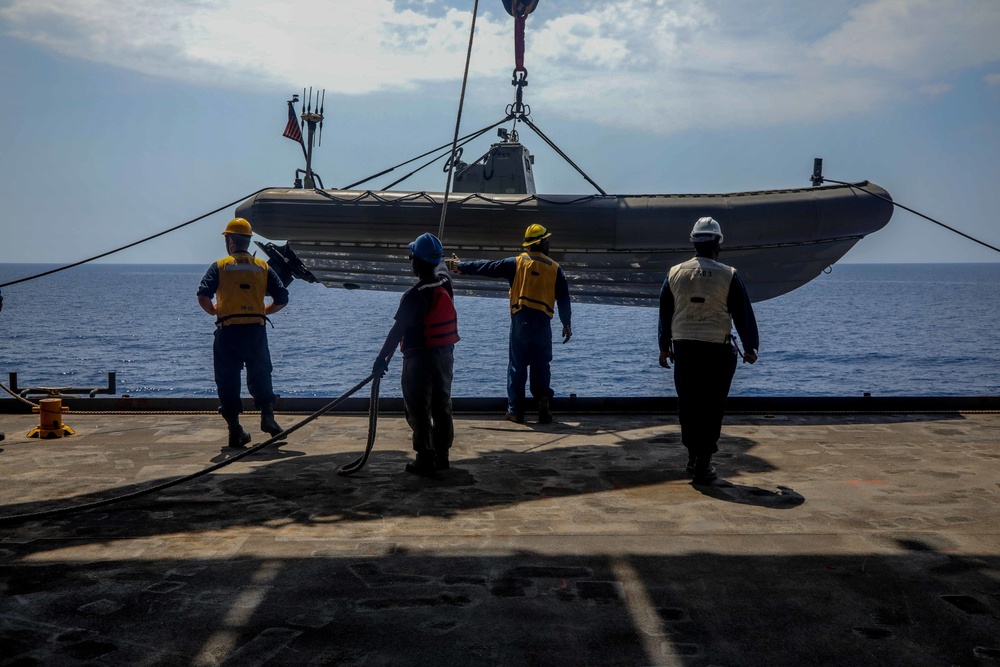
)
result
[(630, 36), (935, 89), (992, 79), (659, 65), (347, 47), (917, 39)]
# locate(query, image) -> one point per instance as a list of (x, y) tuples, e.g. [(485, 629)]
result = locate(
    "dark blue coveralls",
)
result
[(237, 345), (530, 334)]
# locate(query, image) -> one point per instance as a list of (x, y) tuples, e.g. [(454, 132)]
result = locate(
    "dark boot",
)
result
[(237, 436), (691, 464), (441, 460), (267, 423), (423, 466), (704, 471), (544, 411), (2, 436)]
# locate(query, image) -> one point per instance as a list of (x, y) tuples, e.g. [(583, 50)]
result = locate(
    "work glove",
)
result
[(379, 368), (452, 263)]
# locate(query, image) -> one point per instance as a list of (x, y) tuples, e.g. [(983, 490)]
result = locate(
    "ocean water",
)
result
[(903, 330)]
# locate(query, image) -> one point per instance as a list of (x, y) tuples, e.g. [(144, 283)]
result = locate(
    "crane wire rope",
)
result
[(350, 467), (458, 122)]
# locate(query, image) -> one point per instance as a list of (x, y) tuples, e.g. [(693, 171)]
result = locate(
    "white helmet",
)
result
[(706, 229)]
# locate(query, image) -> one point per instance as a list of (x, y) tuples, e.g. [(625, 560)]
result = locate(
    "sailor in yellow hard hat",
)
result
[(534, 234), (238, 226), (700, 301), (537, 287), (239, 283)]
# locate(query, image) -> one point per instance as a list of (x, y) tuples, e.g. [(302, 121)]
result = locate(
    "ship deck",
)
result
[(836, 539)]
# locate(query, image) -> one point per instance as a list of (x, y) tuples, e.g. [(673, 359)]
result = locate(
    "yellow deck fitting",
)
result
[(50, 420)]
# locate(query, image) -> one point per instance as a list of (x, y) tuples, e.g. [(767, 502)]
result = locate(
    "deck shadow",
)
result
[(415, 607)]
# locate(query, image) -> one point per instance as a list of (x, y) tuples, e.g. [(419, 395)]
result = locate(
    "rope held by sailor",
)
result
[(373, 416)]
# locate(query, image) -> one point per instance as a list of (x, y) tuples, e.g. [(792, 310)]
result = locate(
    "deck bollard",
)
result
[(50, 420)]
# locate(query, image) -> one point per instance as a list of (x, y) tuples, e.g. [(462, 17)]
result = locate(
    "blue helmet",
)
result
[(427, 249)]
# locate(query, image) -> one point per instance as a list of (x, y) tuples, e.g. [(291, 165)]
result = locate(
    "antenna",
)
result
[(319, 141), (312, 119)]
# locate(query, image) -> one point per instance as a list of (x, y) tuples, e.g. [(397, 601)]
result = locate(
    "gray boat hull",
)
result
[(613, 248)]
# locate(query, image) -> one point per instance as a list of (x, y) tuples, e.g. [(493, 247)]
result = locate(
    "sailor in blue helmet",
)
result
[(537, 285), (426, 330), (239, 282), (700, 301)]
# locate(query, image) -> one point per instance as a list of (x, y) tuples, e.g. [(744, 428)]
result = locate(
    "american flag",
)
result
[(292, 130)]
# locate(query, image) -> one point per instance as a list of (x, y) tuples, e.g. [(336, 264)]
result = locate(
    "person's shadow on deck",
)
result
[(306, 489)]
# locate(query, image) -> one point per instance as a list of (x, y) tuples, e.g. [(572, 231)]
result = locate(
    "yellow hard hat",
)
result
[(238, 226), (535, 233)]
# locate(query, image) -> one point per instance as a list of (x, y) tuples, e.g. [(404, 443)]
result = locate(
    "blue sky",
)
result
[(120, 120)]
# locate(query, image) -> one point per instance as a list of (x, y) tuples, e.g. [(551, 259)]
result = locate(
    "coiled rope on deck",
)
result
[(347, 469)]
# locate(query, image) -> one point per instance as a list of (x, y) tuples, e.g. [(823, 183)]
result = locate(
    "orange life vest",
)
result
[(441, 320), (440, 325)]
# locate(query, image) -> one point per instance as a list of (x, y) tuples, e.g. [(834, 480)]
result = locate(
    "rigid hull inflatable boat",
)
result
[(613, 248)]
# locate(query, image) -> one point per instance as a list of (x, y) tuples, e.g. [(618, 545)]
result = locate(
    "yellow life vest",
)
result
[(701, 289), (242, 286), (534, 283)]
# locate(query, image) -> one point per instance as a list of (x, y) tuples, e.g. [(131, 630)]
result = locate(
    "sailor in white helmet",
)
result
[(700, 301)]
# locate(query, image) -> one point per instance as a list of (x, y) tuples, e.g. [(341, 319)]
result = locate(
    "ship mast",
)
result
[(311, 118)]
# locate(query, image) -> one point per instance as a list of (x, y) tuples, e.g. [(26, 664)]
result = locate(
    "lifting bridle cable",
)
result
[(458, 122), (451, 152), (354, 466), (528, 122), (134, 243), (860, 186), (464, 140)]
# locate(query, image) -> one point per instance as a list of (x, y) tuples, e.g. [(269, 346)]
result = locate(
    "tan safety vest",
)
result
[(534, 283), (701, 288), (242, 286)]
